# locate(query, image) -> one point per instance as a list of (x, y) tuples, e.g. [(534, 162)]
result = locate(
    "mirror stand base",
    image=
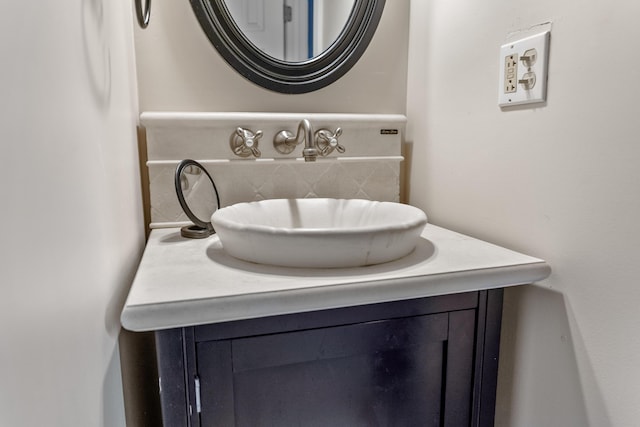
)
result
[(195, 232)]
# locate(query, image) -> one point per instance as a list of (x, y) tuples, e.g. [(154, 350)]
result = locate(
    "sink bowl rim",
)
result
[(218, 218)]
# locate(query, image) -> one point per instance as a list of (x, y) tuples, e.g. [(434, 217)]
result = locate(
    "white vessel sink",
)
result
[(319, 233)]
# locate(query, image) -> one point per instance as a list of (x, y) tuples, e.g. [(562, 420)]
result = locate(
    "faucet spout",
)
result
[(310, 152)]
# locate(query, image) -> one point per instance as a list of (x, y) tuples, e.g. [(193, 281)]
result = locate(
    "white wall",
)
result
[(71, 216), (179, 70), (559, 181)]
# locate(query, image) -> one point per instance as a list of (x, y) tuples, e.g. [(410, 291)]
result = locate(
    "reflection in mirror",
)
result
[(321, 41), (291, 30), (198, 196)]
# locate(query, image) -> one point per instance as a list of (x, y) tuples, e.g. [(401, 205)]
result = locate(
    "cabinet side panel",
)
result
[(173, 398), (487, 354)]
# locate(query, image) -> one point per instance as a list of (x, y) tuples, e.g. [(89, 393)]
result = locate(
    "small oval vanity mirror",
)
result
[(198, 197), (290, 46)]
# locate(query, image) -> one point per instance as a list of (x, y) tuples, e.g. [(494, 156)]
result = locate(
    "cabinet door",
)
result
[(384, 373)]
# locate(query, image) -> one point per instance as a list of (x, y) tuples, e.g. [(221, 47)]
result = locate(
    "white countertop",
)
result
[(185, 282)]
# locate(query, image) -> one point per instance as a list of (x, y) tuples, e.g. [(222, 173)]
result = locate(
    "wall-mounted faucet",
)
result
[(323, 142), (285, 142)]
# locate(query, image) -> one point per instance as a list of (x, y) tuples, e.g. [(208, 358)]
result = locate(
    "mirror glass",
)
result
[(290, 46), (198, 196), (291, 30)]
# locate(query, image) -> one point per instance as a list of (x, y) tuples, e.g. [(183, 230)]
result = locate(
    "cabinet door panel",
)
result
[(336, 342), (384, 373)]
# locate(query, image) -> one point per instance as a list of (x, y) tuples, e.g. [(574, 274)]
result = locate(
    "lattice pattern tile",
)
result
[(244, 181)]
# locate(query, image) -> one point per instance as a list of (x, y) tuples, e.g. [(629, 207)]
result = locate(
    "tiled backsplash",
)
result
[(368, 169)]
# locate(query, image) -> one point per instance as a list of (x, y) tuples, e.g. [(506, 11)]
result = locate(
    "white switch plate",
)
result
[(513, 91)]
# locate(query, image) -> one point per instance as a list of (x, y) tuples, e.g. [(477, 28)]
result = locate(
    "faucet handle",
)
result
[(244, 142), (327, 141)]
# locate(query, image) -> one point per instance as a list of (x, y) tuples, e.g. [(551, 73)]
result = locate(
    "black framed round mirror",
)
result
[(289, 76), (198, 197)]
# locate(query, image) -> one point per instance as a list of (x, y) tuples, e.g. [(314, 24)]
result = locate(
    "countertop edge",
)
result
[(183, 313)]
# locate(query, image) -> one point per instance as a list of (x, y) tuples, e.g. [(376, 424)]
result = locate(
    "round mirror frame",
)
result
[(282, 76), (201, 228)]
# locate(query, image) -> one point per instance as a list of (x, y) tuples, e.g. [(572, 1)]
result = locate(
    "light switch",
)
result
[(523, 70)]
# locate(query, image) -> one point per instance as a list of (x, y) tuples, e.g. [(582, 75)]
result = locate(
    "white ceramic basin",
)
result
[(320, 233)]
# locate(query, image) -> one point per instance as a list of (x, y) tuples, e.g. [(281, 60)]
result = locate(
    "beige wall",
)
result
[(72, 229), (559, 181), (179, 70)]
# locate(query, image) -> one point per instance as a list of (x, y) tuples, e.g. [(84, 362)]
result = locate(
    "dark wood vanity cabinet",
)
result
[(421, 362)]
